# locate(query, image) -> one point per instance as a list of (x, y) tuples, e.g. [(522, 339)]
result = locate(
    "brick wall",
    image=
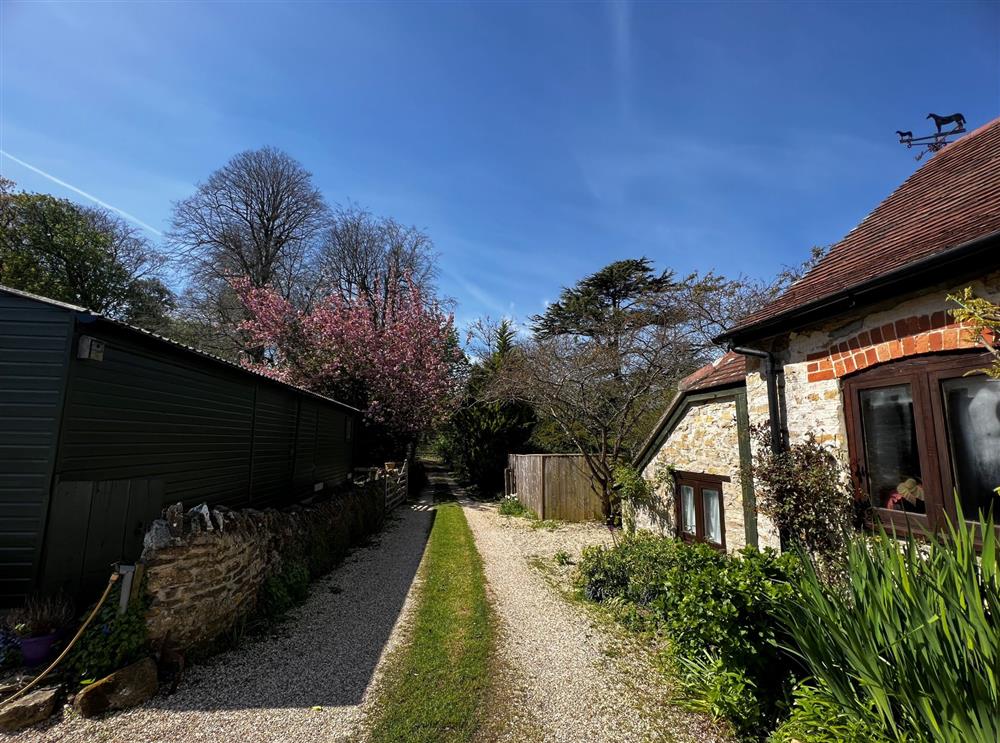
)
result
[(204, 568), (817, 358)]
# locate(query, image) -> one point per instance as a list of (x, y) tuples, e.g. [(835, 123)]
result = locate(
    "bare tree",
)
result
[(362, 254), (717, 303), (602, 357), (258, 218)]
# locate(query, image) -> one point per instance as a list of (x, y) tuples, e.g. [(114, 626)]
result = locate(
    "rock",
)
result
[(158, 536), (201, 513), (33, 707), (125, 688), (174, 516)]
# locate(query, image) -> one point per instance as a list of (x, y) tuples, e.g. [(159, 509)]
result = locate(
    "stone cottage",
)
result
[(863, 352), (703, 441)]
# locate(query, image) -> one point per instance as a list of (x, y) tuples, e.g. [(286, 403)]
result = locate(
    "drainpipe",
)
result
[(771, 371), (771, 376)]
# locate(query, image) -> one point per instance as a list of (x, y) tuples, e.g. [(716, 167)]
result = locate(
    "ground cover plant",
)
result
[(718, 614), (438, 684)]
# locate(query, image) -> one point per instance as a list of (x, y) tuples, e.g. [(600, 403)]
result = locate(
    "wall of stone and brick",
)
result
[(705, 440), (817, 359), (205, 567)]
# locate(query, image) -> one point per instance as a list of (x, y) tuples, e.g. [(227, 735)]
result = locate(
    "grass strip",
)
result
[(436, 686)]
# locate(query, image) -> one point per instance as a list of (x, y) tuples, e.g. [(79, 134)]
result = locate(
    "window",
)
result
[(700, 514), (921, 429)]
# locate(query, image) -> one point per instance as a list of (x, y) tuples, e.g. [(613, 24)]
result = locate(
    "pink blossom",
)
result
[(397, 364)]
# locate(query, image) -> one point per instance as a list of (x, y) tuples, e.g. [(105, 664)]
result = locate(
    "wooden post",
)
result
[(542, 500)]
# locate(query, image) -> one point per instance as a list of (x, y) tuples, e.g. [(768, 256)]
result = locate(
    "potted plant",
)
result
[(38, 624)]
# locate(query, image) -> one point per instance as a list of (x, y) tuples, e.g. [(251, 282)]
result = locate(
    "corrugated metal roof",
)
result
[(950, 201), (169, 342)]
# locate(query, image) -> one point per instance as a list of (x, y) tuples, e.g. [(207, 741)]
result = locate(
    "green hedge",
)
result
[(718, 612)]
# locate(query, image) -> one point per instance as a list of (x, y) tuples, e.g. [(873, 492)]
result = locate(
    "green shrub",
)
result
[(802, 489), (718, 612), (112, 640), (911, 639), (510, 506), (562, 558)]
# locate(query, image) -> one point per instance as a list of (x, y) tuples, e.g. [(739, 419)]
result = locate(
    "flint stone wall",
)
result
[(204, 568)]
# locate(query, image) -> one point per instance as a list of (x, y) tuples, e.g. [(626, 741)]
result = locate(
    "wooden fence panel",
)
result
[(570, 492), (555, 486)]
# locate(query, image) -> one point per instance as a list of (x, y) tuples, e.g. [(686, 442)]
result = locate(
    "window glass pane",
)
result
[(972, 405), (713, 516), (687, 509), (890, 444)]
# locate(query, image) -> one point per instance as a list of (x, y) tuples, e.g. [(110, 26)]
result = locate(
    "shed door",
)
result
[(93, 525)]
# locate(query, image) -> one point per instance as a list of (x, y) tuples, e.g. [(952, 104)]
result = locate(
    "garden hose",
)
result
[(104, 597)]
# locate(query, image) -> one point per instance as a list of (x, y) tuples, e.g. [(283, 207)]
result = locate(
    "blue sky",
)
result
[(534, 142)]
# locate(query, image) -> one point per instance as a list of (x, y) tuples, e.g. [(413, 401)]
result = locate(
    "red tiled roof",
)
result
[(953, 199), (729, 369)]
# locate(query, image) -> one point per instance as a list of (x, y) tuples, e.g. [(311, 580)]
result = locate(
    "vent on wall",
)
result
[(90, 349)]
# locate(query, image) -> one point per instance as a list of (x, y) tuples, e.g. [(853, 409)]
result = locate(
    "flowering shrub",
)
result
[(391, 354)]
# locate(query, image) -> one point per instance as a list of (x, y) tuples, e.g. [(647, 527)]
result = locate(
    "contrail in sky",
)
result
[(84, 194)]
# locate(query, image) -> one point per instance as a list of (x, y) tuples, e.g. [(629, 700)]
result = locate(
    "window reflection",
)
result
[(890, 442), (972, 407)]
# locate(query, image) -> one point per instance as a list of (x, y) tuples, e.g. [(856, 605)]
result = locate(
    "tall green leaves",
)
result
[(912, 637)]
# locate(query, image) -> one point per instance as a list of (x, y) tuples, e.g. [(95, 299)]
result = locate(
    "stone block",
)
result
[(32, 708), (128, 687)]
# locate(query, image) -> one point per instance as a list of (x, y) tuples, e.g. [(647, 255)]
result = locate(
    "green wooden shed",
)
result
[(103, 424)]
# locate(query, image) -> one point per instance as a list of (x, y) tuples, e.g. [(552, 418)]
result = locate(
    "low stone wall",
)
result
[(204, 568)]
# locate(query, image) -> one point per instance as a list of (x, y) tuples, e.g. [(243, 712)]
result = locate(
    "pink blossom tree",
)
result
[(393, 355)]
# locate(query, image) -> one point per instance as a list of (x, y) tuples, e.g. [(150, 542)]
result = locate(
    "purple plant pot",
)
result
[(36, 650)]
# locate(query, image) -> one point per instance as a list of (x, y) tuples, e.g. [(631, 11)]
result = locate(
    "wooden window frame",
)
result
[(698, 481), (924, 374)]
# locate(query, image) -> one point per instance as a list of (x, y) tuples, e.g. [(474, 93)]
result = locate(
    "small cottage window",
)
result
[(700, 515), (922, 429)]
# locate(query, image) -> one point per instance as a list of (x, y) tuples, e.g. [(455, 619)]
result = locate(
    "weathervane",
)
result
[(934, 142)]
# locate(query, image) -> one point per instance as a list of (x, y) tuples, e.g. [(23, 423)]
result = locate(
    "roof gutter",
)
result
[(961, 258)]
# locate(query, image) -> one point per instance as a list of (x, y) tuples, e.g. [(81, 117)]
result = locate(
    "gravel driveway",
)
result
[(307, 683), (582, 680)]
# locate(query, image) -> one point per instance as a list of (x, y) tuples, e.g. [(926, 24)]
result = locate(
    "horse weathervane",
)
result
[(934, 142)]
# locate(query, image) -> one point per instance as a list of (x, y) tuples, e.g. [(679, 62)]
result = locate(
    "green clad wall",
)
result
[(34, 345), (94, 448)]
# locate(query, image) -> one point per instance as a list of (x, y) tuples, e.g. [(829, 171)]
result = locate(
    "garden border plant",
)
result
[(717, 614)]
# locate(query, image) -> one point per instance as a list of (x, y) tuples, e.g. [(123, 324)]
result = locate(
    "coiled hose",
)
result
[(104, 597)]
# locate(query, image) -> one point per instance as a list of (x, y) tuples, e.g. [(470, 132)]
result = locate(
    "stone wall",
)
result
[(204, 568), (705, 440), (816, 359)]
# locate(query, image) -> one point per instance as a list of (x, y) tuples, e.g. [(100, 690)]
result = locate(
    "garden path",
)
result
[(306, 682), (583, 680)]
